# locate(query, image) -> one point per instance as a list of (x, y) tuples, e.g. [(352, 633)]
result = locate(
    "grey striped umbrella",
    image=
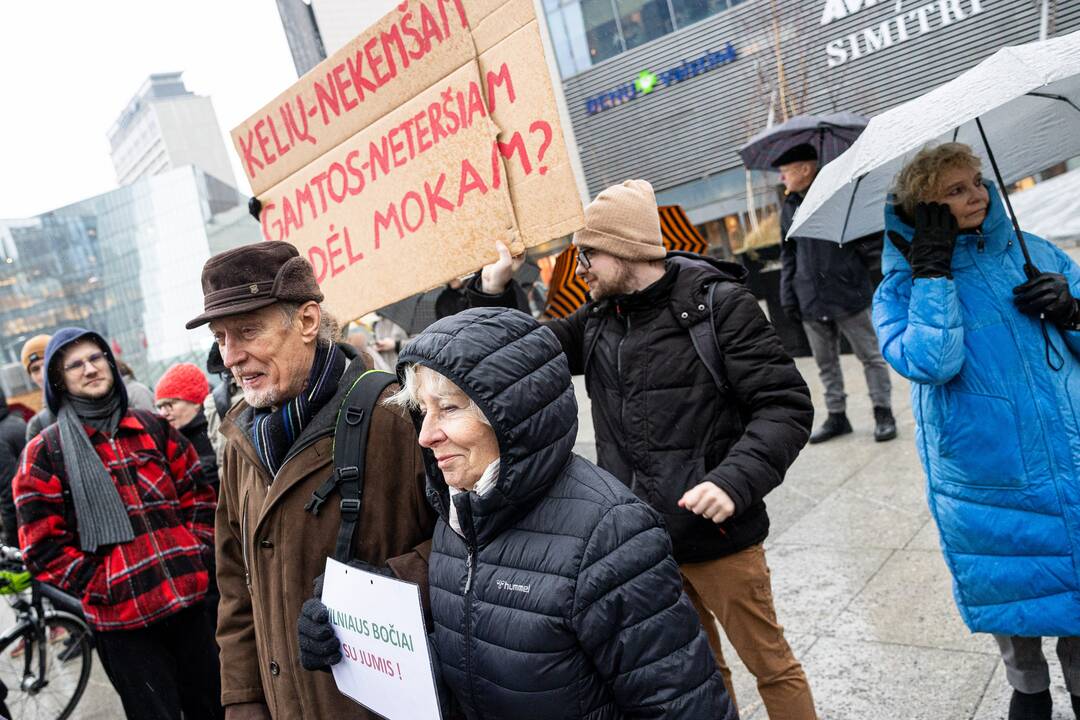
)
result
[(830, 135)]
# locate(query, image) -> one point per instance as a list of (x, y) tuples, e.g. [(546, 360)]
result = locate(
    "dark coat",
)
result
[(41, 420), (195, 432), (662, 425), (825, 280), (270, 549), (561, 599), (12, 442)]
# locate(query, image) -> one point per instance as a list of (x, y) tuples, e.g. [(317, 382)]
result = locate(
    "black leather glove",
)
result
[(793, 312), (1047, 294), (255, 207), (931, 249)]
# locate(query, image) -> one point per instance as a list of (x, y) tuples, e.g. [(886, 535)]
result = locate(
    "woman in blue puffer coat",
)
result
[(993, 358), (553, 588)]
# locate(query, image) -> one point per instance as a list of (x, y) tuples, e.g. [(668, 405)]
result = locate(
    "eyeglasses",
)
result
[(165, 406), (584, 256), (97, 360)]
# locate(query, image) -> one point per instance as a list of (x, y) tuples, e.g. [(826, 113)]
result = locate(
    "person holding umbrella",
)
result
[(991, 342), (828, 288)]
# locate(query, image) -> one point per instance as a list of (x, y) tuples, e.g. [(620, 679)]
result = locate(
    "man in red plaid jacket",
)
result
[(113, 508)]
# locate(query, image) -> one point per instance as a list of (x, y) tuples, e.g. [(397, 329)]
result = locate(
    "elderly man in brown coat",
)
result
[(263, 306)]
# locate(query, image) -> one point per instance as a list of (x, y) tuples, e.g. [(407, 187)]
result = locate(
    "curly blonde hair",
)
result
[(918, 180)]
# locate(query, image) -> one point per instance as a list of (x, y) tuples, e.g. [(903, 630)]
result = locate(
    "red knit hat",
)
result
[(183, 381)]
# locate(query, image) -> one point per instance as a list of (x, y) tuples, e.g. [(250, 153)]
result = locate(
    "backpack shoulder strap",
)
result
[(350, 454), (707, 345)]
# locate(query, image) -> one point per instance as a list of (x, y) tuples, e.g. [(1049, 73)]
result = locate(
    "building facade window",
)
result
[(587, 32), (643, 20), (601, 30)]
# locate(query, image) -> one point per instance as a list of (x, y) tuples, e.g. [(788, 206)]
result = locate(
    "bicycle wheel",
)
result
[(54, 693)]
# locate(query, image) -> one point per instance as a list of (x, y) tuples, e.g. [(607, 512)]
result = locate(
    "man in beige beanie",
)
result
[(33, 359), (697, 408)]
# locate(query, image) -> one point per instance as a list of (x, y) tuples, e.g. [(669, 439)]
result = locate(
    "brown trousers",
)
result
[(736, 592)]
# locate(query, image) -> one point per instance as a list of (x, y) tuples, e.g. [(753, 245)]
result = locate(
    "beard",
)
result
[(256, 398), (95, 392), (617, 284), (261, 398)]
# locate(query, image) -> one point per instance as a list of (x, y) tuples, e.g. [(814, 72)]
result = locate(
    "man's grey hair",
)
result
[(329, 328), (408, 396)]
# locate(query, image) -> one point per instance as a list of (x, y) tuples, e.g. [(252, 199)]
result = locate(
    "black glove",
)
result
[(255, 207), (931, 249), (793, 313), (319, 646), (1047, 294)]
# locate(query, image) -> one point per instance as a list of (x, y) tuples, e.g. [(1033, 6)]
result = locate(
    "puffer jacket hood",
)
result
[(53, 392), (515, 371)]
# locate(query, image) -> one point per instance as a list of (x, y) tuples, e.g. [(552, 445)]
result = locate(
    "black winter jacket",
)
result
[(662, 425), (12, 442), (195, 432), (825, 280), (562, 599)]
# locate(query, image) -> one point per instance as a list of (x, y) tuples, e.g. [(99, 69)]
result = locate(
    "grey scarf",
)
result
[(101, 514)]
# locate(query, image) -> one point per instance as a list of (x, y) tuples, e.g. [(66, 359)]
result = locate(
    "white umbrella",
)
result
[(1023, 102)]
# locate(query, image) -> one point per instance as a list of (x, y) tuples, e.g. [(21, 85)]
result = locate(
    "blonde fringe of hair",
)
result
[(415, 375)]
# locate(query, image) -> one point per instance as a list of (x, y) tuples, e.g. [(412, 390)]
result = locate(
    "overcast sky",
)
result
[(68, 67)]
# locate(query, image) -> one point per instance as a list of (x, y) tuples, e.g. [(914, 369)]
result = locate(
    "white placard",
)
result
[(386, 665)]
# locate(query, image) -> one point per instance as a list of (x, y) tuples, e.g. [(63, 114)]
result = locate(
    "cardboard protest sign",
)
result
[(386, 664), (394, 164)]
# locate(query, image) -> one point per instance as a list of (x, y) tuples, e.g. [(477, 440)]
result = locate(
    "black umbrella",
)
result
[(830, 135), (415, 312)]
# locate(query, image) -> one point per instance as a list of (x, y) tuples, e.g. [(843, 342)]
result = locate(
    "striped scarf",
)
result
[(275, 431)]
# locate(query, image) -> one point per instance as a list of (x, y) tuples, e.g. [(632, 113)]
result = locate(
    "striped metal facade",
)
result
[(691, 130)]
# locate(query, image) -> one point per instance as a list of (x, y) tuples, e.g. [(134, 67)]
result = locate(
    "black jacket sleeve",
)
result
[(11, 447), (772, 394), (569, 330), (868, 249), (635, 622), (788, 266), (9, 464)]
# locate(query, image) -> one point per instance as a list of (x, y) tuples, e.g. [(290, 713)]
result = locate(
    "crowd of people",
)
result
[(194, 524)]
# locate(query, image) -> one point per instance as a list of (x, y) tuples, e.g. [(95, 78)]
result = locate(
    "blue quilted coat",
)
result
[(996, 427)]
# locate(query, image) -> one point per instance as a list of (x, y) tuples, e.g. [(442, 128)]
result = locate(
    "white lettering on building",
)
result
[(895, 30), (839, 9)]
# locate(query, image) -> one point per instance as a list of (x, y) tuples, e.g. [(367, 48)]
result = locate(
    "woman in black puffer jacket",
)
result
[(553, 588)]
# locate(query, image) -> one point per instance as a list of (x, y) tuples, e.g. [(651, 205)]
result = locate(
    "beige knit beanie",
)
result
[(623, 221)]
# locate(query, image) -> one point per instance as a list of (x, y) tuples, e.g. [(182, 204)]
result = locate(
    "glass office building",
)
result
[(587, 32), (126, 264), (668, 90)]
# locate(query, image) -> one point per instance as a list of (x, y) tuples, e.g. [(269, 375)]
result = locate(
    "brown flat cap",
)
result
[(253, 276)]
